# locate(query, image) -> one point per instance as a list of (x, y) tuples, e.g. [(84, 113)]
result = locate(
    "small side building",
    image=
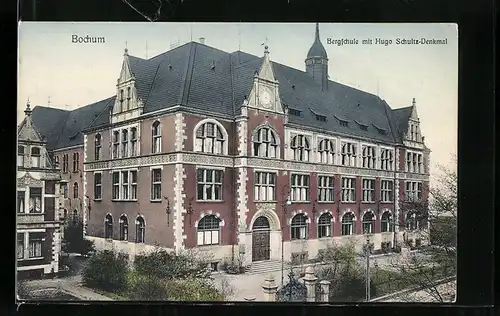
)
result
[(38, 198)]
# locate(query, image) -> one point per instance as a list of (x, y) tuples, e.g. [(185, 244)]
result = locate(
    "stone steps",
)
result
[(266, 266)]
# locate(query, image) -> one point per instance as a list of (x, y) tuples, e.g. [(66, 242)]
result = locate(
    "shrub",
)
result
[(145, 288), (192, 289), (73, 241), (106, 270)]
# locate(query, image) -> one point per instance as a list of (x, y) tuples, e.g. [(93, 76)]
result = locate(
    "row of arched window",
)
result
[(140, 228)]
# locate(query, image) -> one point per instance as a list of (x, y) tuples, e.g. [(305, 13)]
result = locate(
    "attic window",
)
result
[(362, 126), (380, 130), (294, 112), (342, 122), (320, 118), (73, 136)]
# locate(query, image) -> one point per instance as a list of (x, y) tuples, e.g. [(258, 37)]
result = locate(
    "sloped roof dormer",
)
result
[(27, 131)]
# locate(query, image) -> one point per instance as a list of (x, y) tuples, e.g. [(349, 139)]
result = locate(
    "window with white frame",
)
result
[(97, 186), (348, 224), (414, 162), (299, 188), (368, 190), (140, 230), (420, 165), (75, 190), (348, 154), (156, 137), (123, 228), (209, 184), (209, 139), (325, 189), (413, 191), (56, 161), (108, 227), (348, 190), (116, 185), (299, 227), (20, 246), (133, 141), (386, 159), (156, 185), (65, 163), (387, 191), (369, 158), (264, 186), (97, 146), (76, 162), (133, 184), (35, 157), (368, 223), (21, 202), (35, 247), (325, 225), (301, 148), (35, 205), (208, 231), (265, 143), (326, 151), (124, 185), (116, 144), (20, 156), (64, 189), (386, 224), (124, 143)]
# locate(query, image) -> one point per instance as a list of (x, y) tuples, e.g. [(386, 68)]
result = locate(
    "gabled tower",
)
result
[(317, 62)]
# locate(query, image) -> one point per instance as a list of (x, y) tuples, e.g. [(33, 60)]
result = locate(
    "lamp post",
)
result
[(286, 201), (167, 210), (189, 210), (367, 253)]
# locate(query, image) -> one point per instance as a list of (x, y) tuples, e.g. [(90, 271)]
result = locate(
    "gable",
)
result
[(28, 132)]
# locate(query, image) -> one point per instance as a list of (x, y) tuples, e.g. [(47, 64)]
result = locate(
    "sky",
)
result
[(56, 72)]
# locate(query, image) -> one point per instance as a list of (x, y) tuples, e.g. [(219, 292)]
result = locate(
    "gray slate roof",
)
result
[(201, 77), (317, 49)]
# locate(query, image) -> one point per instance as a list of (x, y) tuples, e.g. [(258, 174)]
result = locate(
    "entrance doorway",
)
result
[(261, 239)]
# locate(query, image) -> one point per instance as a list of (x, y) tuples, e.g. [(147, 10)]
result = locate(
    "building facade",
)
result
[(230, 152), (38, 225)]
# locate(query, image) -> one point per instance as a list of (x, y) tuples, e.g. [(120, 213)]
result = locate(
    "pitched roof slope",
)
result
[(401, 118), (49, 123)]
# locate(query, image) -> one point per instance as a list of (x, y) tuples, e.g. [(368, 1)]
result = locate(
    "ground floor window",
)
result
[(35, 248), (348, 224), (208, 231), (20, 246), (325, 226)]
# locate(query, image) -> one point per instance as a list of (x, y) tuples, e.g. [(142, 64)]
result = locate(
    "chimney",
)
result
[(202, 40)]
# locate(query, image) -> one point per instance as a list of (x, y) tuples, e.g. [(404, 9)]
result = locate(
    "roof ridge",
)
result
[(106, 108), (153, 82), (185, 85)]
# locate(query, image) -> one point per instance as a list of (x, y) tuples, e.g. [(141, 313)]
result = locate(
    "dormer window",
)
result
[(380, 130), (342, 122), (320, 118), (121, 100), (362, 126), (294, 112), (35, 157)]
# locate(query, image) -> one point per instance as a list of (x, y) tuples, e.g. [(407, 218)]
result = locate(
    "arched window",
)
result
[(140, 230), (133, 141), (124, 143), (121, 101), (347, 224), (75, 216), (123, 227), (20, 156), (97, 146), (326, 151), (108, 227), (325, 225), (208, 231), (386, 222), (116, 144), (301, 148), (76, 161), (209, 139), (65, 213), (299, 227), (265, 143), (348, 154), (129, 95), (65, 163), (35, 157), (411, 221), (75, 190), (368, 223), (156, 135)]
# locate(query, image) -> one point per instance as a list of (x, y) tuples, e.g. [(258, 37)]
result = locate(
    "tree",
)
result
[(438, 260), (106, 270), (73, 240)]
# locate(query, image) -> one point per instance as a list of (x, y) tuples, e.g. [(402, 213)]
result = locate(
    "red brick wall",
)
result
[(71, 204), (167, 132), (192, 120)]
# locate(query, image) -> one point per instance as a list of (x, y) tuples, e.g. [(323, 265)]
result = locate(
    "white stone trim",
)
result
[(85, 202), (41, 266), (210, 167), (325, 211), (272, 217), (368, 210), (382, 211), (156, 167), (242, 199), (348, 210), (180, 135), (31, 230), (296, 212), (224, 132), (179, 198), (69, 148), (138, 215), (207, 213), (266, 124)]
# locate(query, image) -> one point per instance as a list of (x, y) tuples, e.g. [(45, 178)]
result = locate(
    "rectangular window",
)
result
[(369, 158), (125, 184), (264, 186), (325, 189), (35, 200), (133, 141), (21, 202), (348, 154), (116, 185), (20, 246), (65, 162), (20, 156), (368, 190), (413, 191), (408, 162), (133, 185), (386, 191), (299, 188), (386, 159), (124, 143), (420, 168), (35, 157), (209, 184), (64, 189), (97, 186), (35, 247), (116, 144), (156, 185), (348, 190)]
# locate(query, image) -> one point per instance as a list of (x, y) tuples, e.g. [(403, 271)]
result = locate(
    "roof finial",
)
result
[(266, 48), (413, 103), (28, 110), (126, 48), (317, 32)]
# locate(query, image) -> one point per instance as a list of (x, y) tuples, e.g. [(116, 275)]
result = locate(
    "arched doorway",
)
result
[(261, 239)]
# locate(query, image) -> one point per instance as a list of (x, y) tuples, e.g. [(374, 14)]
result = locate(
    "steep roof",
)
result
[(201, 77), (49, 122), (401, 118), (317, 49)]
